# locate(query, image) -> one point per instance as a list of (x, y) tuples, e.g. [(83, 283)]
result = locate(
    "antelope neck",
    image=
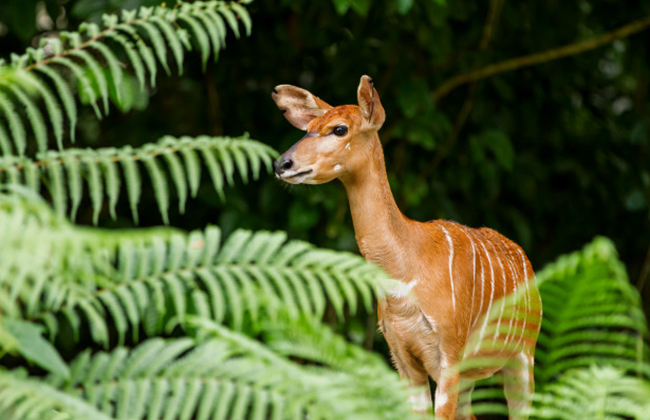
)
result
[(381, 230)]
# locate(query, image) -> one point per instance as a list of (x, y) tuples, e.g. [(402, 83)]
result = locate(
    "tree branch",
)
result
[(541, 57)]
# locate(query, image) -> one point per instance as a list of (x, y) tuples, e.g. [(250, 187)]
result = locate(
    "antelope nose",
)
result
[(282, 164)]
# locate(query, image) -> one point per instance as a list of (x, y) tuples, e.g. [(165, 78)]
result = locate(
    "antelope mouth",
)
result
[(308, 171), (295, 178)]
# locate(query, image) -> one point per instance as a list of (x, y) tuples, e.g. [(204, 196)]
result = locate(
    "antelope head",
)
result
[(338, 139)]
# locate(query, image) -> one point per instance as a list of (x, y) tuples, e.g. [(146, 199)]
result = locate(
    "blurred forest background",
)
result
[(551, 154)]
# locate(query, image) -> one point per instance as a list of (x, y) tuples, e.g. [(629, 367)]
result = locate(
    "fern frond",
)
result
[(143, 35), (121, 275), (65, 94), (225, 376), (213, 34), (594, 393), (143, 50), (5, 142), (244, 16), (157, 41), (223, 156), (113, 65), (34, 115), (135, 59), (16, 127), (178, 177), (232, 20), (79, 74), (111, 180), (75, 185), (592, 314), (27, 398), (97, 75), (218, 23), (201, 37), (173, 40)]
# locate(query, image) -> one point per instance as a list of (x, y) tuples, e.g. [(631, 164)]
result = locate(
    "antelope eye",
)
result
[(340, 130)]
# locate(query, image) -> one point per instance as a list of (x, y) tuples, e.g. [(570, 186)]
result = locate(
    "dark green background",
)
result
[(550, 155)]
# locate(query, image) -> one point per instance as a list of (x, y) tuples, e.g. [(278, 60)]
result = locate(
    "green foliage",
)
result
[(592, 315), (191, 326), (134, 276), (137, 33), (124, 286), (594, 393), (163, 323), (103, 171)]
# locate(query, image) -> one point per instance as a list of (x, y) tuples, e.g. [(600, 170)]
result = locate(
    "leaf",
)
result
[(113, 65), (111, 180), (178, 177), (56, 183), (134, 57), (52, 107), (244, 16), (158, 43), (16, 127), (71, 164), (231, 19), (213, 33), (145, 52), (201, 37), (133, 182), (97, 73), (31, 345), (81, 77), (172, 40), (35, 117), (95, 185), (5, 142), (159, 184)]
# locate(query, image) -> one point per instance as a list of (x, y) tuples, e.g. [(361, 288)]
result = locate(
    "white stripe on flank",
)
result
[(515, 302), (480, 308), (471, 314), (487, 312), (513, 299), (451, 261), (524, 275), (505, 291)]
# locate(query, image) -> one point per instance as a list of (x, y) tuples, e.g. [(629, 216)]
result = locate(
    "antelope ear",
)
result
[(299, 105), (370, 104)]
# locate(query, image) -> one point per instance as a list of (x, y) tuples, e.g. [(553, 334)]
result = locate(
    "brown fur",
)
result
[(432, 329)]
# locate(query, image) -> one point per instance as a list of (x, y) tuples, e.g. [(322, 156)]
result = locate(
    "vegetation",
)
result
[(100, 319)]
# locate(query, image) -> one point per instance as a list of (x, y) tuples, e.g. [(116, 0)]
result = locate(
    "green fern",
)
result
[(65, 173), (139, 37), (228, 376), (594, 393), (592, 315), (160, 279), (132, 277)]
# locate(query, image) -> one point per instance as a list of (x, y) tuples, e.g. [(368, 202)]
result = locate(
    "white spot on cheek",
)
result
[(338, 168), (347, 146)]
